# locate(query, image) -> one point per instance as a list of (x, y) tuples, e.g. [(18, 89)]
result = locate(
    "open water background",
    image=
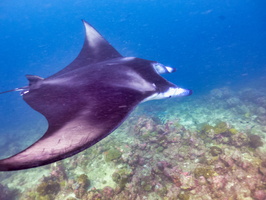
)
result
[(211, 43)]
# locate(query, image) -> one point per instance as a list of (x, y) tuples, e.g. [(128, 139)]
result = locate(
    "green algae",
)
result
[(148, 134), (147, 187), (204, 171), (159, 149), (83, 180), (122, 176), (206, 128), (63, 183), (183, 196), (221, 127), (233, 131), (215, 151), (162, 191), (48, 188), (205, 131), (112, 154)]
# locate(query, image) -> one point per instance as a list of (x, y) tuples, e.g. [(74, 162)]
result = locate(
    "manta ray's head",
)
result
[(151, 71)]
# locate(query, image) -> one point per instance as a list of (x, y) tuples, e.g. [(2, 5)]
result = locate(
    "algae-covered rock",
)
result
[(255, 141), (147, 187), (48, 187), (83, 184), (222, 133), (83, 180), (206, 128), (221, 127), (147, 183), (94, 195), (122, 176), (233, 131), (184, 196), (46, 197), (215, 151), (71, 198), (112, 154), (159, 149), (239, 139), (204, 171), (224, 129), (161, 190)]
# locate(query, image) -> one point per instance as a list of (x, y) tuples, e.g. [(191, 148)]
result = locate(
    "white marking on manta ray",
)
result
[(128, 58), (122, 106), (161, 69), (124, 59), (171, 92), (134, 80), (58, 81), (92, 36)]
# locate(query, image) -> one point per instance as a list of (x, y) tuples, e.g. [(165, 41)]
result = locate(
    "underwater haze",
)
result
[(210, 145)]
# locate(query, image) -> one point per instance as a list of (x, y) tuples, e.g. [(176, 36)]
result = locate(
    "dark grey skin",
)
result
[(88, 99)]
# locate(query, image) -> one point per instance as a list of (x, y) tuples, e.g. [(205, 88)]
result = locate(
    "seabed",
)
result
[(209, 147)]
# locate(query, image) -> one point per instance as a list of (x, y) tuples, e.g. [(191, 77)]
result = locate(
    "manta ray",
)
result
[(88, 99)]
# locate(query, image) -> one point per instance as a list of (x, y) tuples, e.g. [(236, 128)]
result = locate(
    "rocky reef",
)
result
[(209, 148), (8, 194)]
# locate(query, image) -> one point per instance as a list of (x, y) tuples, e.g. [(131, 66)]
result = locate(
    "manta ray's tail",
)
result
[(22, 90)]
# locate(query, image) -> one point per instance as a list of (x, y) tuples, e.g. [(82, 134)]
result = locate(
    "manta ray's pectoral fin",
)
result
[(56, 144), (74, 127), (95, 49)]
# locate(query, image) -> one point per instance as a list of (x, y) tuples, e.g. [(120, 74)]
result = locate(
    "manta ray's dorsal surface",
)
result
[(88, 99)]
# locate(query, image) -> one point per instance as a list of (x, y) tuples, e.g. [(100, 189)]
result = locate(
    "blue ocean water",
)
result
[(211, 43)]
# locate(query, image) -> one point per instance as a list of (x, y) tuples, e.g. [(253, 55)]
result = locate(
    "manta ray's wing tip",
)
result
[(84, 21)]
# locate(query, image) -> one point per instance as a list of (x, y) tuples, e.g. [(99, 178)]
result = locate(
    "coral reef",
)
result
[(112, 154), (6, 193), (122, 176), (215, 151), (212, 151), (48, 189), (81, 186), (255, 141)]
